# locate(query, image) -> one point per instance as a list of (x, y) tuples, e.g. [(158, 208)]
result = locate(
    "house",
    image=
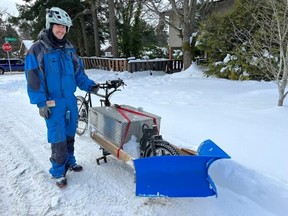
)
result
[(175, 41), (24, 47), (106, 49)]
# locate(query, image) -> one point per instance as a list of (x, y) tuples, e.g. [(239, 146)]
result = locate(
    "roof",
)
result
[(27, 43)]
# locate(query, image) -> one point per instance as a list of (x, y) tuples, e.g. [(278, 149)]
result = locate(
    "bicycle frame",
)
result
[(88, 101)]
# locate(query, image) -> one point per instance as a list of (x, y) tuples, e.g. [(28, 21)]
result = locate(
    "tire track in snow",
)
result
[(21, 175), (25, 166)]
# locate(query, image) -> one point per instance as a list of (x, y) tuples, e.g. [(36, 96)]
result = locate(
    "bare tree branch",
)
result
[(267, 41)]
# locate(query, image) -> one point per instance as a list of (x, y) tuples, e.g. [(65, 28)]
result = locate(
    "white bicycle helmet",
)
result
[(58, 16)]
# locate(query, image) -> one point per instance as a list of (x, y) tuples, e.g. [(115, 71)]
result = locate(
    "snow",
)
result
[(241, 117)]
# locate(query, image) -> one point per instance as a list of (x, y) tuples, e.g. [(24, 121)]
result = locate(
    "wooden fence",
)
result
[(122, 64)]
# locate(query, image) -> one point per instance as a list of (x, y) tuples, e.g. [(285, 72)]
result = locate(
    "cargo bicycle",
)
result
[(151, 144), (161, 168)]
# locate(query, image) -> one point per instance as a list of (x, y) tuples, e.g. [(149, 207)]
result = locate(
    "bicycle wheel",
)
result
[(162, 148), (82, 122)]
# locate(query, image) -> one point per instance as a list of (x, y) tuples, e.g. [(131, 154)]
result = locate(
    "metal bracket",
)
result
[(104, 153)]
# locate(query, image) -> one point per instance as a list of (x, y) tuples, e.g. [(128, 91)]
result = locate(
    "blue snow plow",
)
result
[(178, 176)]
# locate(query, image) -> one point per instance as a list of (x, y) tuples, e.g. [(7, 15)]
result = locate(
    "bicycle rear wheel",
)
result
[(162, 148), (82, 122)]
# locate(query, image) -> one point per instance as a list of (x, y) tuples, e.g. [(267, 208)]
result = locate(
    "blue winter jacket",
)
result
[(53, 72)]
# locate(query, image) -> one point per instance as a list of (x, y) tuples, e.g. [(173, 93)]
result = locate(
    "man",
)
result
[(53, 71)]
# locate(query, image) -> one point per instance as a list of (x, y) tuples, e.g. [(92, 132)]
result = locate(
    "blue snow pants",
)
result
[(61, 128)]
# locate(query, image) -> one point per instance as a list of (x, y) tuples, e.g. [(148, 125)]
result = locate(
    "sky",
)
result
[(10, 6), (241, 117)]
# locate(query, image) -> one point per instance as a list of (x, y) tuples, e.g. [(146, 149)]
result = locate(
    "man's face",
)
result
[(59, 31)]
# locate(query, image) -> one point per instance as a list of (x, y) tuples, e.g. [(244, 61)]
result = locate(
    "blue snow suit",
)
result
[(53, 73)]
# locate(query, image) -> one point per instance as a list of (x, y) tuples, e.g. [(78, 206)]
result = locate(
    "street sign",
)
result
[(10, 39), (6, 47)]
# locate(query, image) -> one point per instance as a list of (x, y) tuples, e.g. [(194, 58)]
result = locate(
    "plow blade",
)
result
[(178, 176)]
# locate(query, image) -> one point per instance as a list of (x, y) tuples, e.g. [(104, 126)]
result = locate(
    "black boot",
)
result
[(61, 182), (76, 168)]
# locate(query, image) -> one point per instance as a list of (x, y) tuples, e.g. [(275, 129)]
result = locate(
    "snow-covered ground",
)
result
[(241, 117)]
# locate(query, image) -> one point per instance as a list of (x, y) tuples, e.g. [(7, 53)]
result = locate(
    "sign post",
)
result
[(7, 48)]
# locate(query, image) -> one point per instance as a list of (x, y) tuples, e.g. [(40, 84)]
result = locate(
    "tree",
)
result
[(84, 35), (8, 31), (113, 29), (218, 40), (93, 21), (137, 32), (267, 42), (130, 28), (249, 42), (161, 32), (93, 7), (188, 12)]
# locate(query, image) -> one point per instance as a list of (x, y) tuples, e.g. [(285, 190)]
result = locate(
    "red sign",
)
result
[(6, 47)]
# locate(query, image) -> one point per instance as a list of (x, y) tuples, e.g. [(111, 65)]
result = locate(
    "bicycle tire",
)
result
[(82, 122), (163, 148)]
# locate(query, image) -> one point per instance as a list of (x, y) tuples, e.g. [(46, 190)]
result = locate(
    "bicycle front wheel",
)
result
[(82, 122)]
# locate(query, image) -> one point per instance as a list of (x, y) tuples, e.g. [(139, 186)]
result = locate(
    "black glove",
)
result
[(95, 89), (45, 112)]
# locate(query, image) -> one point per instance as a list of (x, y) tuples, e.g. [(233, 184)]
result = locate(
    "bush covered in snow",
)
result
[(223, 39)]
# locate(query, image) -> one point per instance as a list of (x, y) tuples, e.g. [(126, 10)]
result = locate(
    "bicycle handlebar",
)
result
[(110, 84)]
